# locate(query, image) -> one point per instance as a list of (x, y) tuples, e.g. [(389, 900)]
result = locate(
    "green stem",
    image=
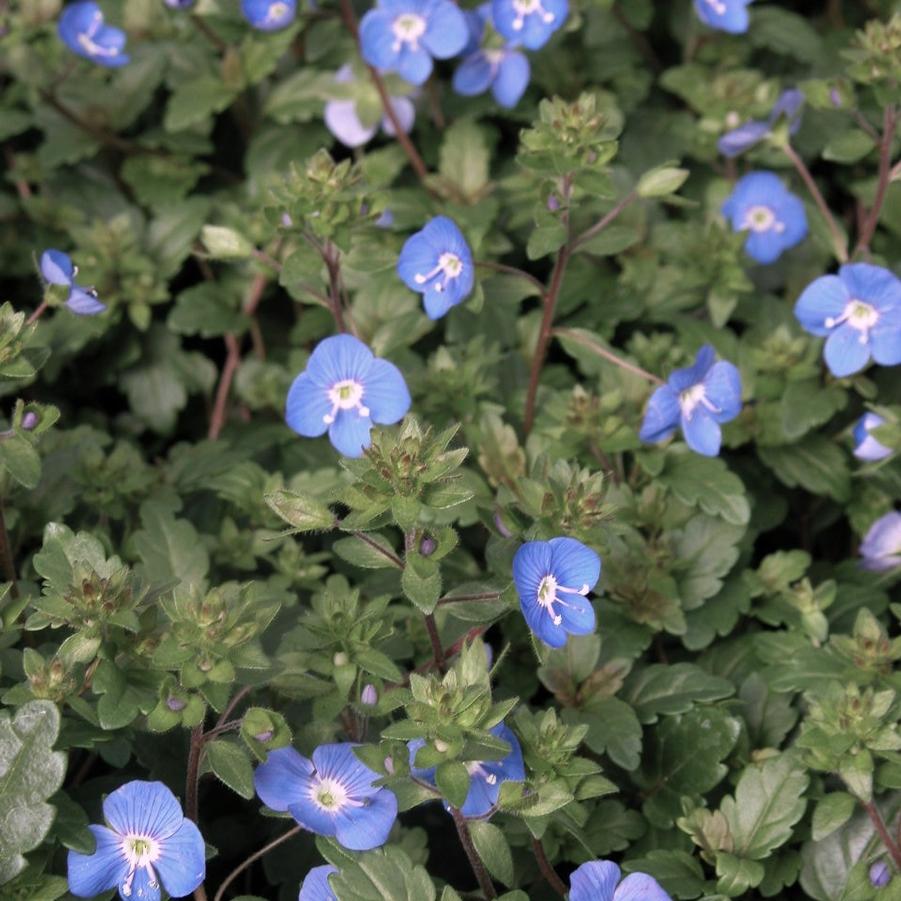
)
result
[(478, 868)]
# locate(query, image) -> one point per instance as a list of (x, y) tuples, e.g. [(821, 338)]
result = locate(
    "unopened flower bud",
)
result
[(369, 696), (505, 532), (30, 420), (389, 765), (553, 204), (340, 659), (176, 704), (287, 221), (427, 547), (264, 736), (836, 98), (880, 874), (441, 746)]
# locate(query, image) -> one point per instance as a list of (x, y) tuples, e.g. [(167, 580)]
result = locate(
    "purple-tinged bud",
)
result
[(176, 705), (505, 532), (30, 420), (389, 765), (287, 221), (489, 654), (369, 697), (427, 546), (836, 98), (880, 874), (264, 736), (553, 204)]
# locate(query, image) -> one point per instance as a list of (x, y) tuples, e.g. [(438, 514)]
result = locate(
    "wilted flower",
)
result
[(57, 269), (552, 580), (269, 15), (437, 263), (859, 313), (529, 22), (148, 841), (82, 29), (599, 880), (485, 777), (866, 447), (315, 885), (331, 795), (404, 35), (881, 546), (724, 15), (343, 391), (773, 217), (747, 135), (698, 398)]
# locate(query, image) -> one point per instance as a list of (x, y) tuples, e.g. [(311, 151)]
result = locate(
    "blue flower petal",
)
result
[(702, 432), (594, 881), (531, 563), (307, 406), (414, 66), (789, 105), (144, 887), (512, 79), (722, 387), (342, 121), (182, 861), (511, 768), (405, 113), (57, 267), (377, 39), (844, 352), (316, 885), (143, 808), (881, 546), (824, 298), (742, 138), (418, 256), (447, 32), (337, 359), (436, 304), (284, 779), (367, 827), (473, 75), (573, 564), (91, 874), (426, 774), (680, 379), (764, 247), (269, 15), (338, 761), (313, 817), (885, 339), (662, 415), (480, 798), (725, 15), (640, 887), (385, 393), (84, 303), (349, 433), (866, 447), (873, 284)]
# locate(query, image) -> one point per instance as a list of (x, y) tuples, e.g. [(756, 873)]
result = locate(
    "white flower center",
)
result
[(548, 592), (494, 57), (408, 29), (474, 768), (449, 266), (525, 8), (329, 794), (86, 40), (859, 315), (141, 852), (762, 219), (346, 395), (277, 11), (691, 397), (718, 6)]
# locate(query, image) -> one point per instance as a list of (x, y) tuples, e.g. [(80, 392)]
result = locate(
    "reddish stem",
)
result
[(889, 122)]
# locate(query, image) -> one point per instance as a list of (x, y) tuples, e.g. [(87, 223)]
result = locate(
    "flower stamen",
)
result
[(408, 29), (345, 395), (525, 8), (449, 264), (762, 219), (858, 315), (141, 852), (548, 592)]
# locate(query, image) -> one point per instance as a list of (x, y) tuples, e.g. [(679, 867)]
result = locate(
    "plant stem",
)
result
[(461, 598), (839, 245), (241, 867), (889, 120), (388, 555), (39, 311), (511, 270), (332, 260), (879, 825), (549, 873), (6, 555), (478, 868), (608, 355), (435, 638), (601, 224), (195, 752)]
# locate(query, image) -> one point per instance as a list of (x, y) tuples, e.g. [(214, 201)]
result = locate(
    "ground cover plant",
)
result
[(450, 451)]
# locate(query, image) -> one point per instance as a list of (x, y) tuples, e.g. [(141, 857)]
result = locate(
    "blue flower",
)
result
[(529, 22), (147, 841), (179, 4), (552, 580), (598, 880), (724, 15), (316, 886), (331, 795), (58, 269), (344, 123), (858, 311), (881, 546), (82, 30), (751, 133), (437, 263), (269, 15), (699, 398), (344, 390), (485, 777), (773, 217), (866, 447), (404, 35)]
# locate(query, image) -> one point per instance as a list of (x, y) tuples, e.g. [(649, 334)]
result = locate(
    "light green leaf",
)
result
[(707, 482), (493, 849), (660, 689), (231, 765)]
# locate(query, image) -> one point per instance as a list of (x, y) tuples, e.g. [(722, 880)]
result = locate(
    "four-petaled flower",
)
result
[(343, 120), (343, 391), (529, 22), (57, 269), (881, 546), (751, 133), (331, 795), (724, 15), (147, 841), (503, 69), (437, 263), (553, 579), (404, 35), (859, 313), (485, 777), (599, 880), (315, 885), (269, 15), (82, 29), (866, 447), (699, 398), (773, 217)]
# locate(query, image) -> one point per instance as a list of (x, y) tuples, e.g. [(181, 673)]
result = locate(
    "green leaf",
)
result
[(677, 871), (170, 548), (452, 779), (661, 181), (21, 460), (707, 482), (379, 664), (369, 550), (613, 728), (379, 875), (195, 100), (816, 464), (494, 850), (464, 158), (30, 772), (737, 874), (302, 512), (661, 689), (807, 404), (546, 238), (849, 146), (421, 582), (231, 765), (831, 813), (223, 243), (768, 801)]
